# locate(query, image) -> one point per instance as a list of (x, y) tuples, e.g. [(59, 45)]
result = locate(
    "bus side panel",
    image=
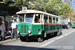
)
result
[(36, 29), (46, 28), (58, 26), (52, 27)]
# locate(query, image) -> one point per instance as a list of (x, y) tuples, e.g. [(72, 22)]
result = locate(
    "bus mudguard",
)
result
[(41, 33)]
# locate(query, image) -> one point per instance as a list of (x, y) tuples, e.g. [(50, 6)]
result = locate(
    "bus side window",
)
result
[(37, 18), (45, 19), (56, 20), (50, 19), (53, 19), (21, 18)]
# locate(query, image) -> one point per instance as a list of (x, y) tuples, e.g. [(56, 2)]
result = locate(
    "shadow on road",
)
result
[(47, 38), (8, 47)]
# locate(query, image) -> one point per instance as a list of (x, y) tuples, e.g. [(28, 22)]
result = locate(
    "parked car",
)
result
[(64, 26), (73, 26)]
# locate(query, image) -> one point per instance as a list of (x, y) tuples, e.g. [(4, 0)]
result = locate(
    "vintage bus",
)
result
[(37, 24)]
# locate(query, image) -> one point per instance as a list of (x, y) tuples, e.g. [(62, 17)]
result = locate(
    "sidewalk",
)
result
[(9, 40)]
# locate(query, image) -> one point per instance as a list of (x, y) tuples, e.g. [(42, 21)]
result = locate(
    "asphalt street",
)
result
[(64, 42), (67, 42)]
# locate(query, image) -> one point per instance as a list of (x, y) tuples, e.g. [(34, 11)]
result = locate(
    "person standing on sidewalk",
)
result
[(2, 29), (14, 29)]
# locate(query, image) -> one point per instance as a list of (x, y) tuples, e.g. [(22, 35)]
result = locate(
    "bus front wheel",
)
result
[(40, 39), (22, 38)]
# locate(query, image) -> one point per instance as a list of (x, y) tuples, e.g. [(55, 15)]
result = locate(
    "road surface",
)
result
[(64, 42)]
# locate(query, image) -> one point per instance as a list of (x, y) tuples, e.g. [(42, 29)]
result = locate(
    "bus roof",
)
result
[(35, 11)]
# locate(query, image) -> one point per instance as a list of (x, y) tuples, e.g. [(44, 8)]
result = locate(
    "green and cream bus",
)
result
[(37, 24)]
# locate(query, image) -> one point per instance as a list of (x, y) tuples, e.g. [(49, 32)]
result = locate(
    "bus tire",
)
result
[(40, 39), (22, 38), (55, 34), (59, 34), (27, 39)]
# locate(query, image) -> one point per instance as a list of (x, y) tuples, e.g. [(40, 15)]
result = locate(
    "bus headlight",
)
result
[(18, 31), (29, 31)]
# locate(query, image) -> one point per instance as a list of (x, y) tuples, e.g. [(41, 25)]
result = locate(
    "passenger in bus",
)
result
[(14, 29), (2, 29), (39, 20)]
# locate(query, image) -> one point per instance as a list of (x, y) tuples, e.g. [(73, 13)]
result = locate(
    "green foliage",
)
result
[(18, 4), (40, 5), (53, 6), (73, 15), (6, 1), (25, 2), (66, 10), (56, 7)]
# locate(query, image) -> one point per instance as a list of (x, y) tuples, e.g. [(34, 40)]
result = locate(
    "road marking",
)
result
[(47, 43), (55, 39), (60, 37)]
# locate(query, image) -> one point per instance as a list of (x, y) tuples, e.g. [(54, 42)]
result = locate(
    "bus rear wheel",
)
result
[(22, 38), (58, 34)]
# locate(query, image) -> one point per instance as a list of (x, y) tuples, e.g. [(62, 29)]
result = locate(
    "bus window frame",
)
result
[(57, 19), (54, 21), (51, 18), (47, 18), (41, 17), (25, 17), (19, 19)]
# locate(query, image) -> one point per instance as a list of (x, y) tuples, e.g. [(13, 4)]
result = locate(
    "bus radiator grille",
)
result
[(23, 28)]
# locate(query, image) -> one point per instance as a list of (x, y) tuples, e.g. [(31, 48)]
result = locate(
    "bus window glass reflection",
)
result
[(53, 19), (50, 19), (37, 18), (45, 18), (29, 18), (56, 20), (21, 18)]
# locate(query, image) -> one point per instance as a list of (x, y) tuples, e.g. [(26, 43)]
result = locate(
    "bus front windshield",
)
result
[(29, 18)]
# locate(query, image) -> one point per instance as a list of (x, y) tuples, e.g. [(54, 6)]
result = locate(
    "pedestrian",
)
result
[(5, 30), (14, 29), (2, 29)]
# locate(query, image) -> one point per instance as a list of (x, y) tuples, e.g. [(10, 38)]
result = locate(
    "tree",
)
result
[(66, 10), (20, 3), (17, 4), (6, 1), (53, 6), (40, 5), (25, 2)]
